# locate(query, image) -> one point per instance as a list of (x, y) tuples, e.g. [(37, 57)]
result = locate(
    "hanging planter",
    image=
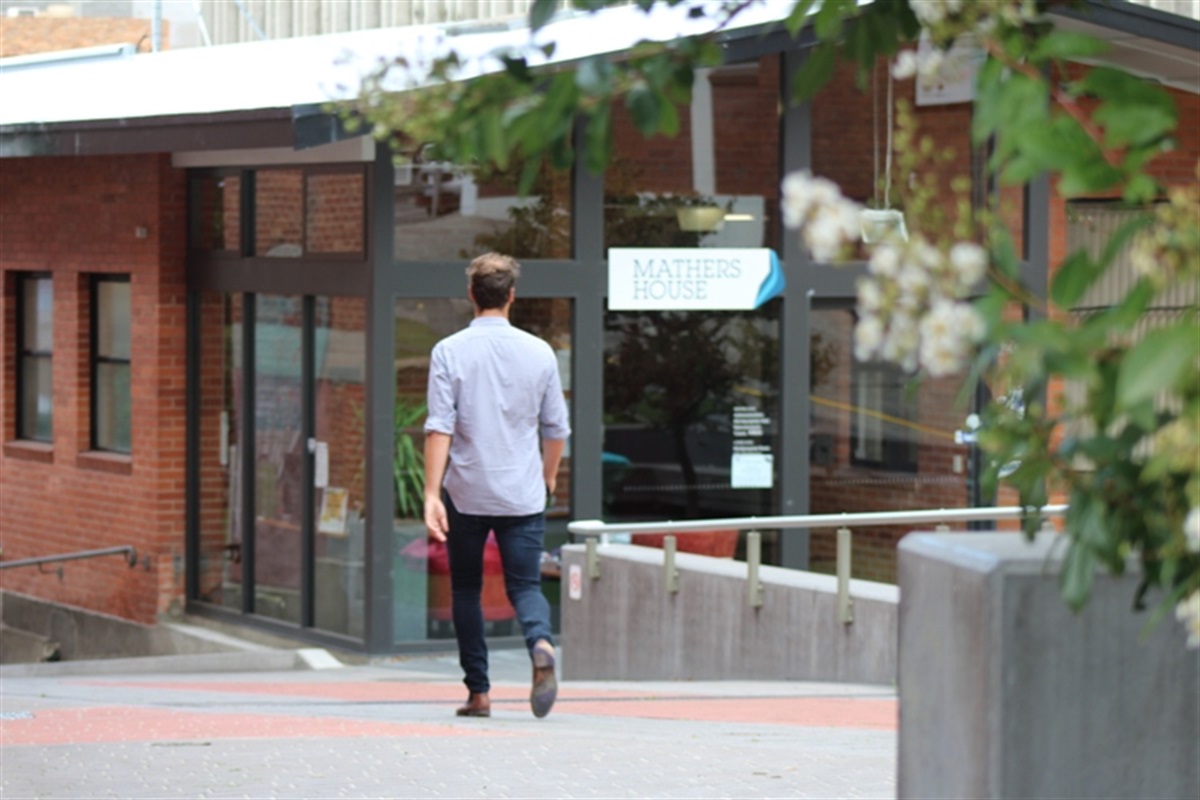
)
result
[(880, 224)]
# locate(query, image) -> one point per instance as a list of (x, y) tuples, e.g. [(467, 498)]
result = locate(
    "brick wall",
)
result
[(74, 217)]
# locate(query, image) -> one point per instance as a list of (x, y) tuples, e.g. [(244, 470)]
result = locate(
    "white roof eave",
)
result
[(308, 71)]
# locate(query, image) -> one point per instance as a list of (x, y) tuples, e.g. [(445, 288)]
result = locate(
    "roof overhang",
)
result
[(1143, 41), (276, 94)]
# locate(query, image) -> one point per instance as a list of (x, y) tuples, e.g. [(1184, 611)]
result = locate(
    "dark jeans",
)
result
[(521, 540)]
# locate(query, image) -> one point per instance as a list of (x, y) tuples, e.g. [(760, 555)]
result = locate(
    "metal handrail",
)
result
[(596, 527), (127, 550), (597, 532)]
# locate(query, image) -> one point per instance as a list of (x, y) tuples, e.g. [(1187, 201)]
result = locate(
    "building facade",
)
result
[(217, 328)]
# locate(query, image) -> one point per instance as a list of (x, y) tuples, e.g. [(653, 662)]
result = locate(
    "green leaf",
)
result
[(1067, 45), (644, 109), (816, 71), (1130, 124), (1140, 189), (540, 13), (595, 76), (1074, 277), (829, 19), (598, 139), (1077, 575), (798, 16), (529, 174), (496, 145), (1157, 361)]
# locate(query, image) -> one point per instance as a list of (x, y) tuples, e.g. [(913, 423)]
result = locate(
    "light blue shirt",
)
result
[(495, 390)]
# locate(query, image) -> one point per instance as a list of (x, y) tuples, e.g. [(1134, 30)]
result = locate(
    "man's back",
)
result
[(494, 389)]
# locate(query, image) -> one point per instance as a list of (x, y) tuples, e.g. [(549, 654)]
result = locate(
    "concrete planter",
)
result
[(1005, 692)]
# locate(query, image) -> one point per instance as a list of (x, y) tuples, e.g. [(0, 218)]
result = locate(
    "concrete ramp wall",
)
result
[(625, 625)]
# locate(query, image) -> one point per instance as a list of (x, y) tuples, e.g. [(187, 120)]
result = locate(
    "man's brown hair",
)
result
[(491, 277)]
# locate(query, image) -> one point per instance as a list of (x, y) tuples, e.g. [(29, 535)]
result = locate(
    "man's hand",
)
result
[(435, 519)]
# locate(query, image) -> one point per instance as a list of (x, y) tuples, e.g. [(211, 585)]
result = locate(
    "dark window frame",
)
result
[(96, 360), (25, 353)]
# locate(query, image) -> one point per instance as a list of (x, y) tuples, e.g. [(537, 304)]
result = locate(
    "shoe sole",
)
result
[(462, 712), (545, 685)]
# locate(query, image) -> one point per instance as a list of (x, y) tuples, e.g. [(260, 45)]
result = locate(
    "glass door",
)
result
[(281, 457)]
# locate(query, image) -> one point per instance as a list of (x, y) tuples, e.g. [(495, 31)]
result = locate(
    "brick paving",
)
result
[(387, 730)]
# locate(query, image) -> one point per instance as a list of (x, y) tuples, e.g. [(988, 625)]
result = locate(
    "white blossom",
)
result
[(868, 335), (900, 344), (870, 296), (970, 261), (885, 261), (827, 220), (1191, 530), (1188, 612), (913, 281), (905, 66), (948, 335), (803, 194), (929, 12)]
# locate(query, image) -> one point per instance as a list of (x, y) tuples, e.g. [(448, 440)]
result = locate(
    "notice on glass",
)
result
[(752, 465), (752, 471)]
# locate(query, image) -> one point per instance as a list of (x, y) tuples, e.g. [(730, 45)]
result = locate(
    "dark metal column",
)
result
[(796, 140), (308, 404), (246, 451), (587, 340), (380, 402)]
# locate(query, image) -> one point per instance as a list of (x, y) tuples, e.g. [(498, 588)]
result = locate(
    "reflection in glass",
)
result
[(113, 407), (716, 184), (340, 525), (447, 212), (421, 571), (691, 406), (111, 402), (279, 213), (35, 408), (279, 452), (113, 323), (220, 519), (335, 218), (215, 221), (880, 441)]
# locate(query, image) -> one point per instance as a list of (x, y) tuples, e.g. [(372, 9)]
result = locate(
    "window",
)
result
[(884, 412), (111, 411), (35, 346)]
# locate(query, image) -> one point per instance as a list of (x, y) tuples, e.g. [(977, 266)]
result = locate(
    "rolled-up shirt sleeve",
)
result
[(442, 412), (553, 420)]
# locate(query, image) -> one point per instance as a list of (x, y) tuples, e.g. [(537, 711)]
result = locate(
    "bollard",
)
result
[(845, 603), (593, 559), (754, 587), (670, 573)]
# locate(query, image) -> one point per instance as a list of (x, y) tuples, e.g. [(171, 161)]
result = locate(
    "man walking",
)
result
[(494, 391)]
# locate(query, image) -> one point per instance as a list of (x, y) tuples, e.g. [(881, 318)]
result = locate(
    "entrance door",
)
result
[(282, 529), (283, 463)]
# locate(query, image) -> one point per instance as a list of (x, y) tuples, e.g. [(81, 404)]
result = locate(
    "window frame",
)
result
[(96, 360), (25, 353)]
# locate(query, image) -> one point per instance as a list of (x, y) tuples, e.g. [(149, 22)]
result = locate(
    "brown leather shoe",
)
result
[(545, 685), (477, 705)]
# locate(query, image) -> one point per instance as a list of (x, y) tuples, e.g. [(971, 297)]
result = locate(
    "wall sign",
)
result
[(701, 278)]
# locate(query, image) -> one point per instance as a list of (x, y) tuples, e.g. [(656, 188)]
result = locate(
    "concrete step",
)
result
[(19, 646)]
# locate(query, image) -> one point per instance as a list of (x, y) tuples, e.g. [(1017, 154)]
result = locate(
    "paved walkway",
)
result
[(387, 730)]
